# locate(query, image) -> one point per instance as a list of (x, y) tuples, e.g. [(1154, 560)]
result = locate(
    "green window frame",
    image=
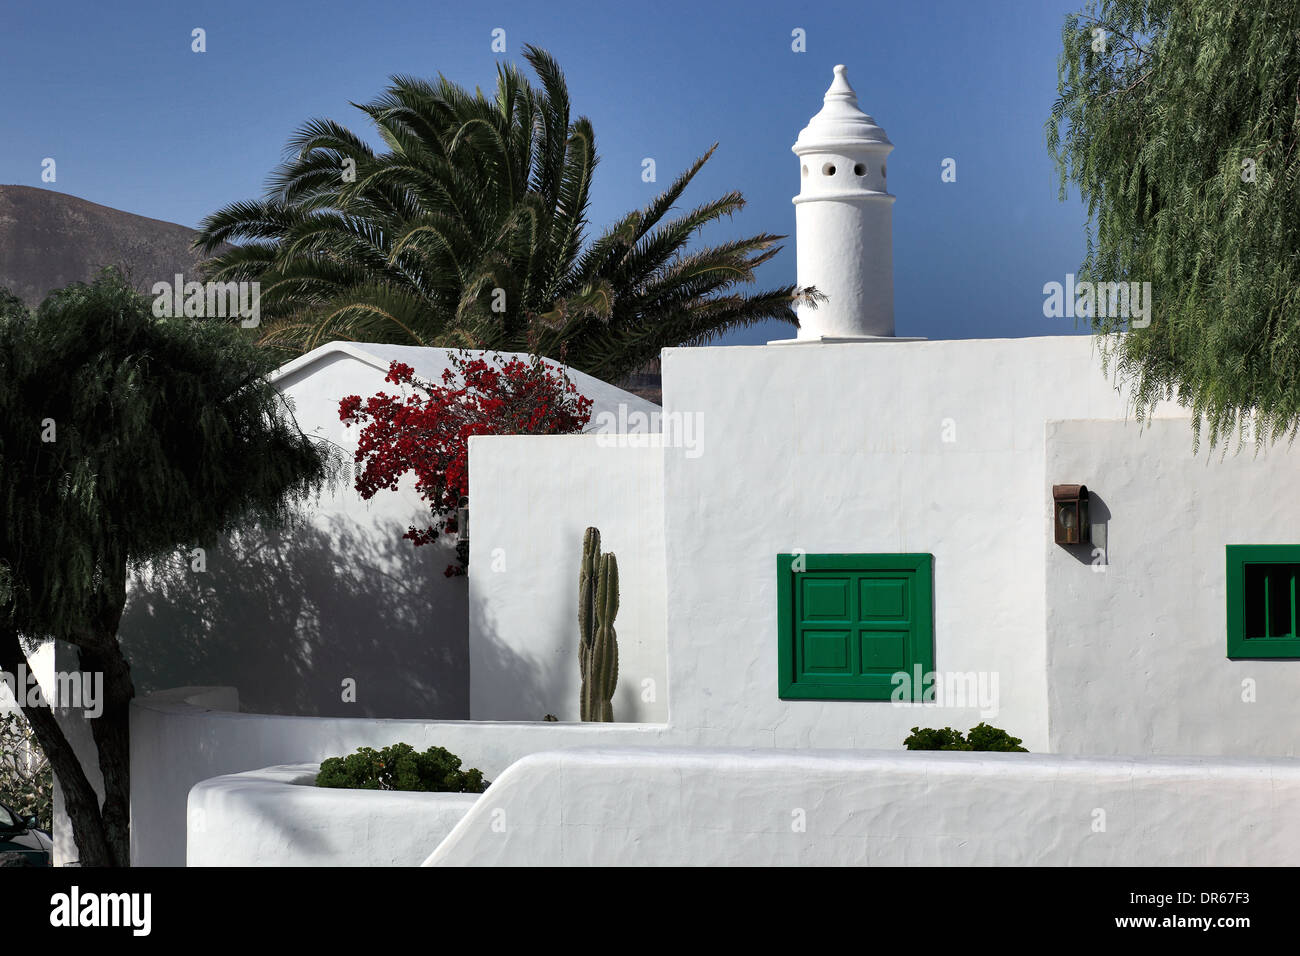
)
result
[(1263, 587), (848, 622)]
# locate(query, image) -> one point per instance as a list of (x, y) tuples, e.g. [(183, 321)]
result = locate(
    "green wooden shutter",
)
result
[(849, 622), (1263, 584)]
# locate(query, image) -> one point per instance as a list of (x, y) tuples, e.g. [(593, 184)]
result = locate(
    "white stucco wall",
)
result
[(1137, 653), (184, 736), (287, 619), (532, 498), (277, 816), (841, 448), (641, 807)]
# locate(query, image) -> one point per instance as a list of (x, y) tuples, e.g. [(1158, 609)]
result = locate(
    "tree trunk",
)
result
[(79, 798), (100, 653), (112, 733)]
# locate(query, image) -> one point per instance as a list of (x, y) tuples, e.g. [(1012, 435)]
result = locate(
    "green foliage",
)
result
[(124, 437), (981, 737), (400, 767), (10, 305), (26, 780), (931, 739), (597, 639), (470, 231), (984, 737), (1181, 136)]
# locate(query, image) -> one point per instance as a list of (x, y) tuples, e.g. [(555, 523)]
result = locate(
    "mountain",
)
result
[(49, 239)]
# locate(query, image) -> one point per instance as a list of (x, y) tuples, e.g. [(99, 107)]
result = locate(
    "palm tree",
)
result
[(470, 230)]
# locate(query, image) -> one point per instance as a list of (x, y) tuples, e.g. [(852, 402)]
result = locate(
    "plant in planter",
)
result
[(597, 640), (981, 737), (400, 767)]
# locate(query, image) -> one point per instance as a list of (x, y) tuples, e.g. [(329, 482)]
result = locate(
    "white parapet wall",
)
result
[(642, 807), (182, 737), (531, 499), (277, 816)]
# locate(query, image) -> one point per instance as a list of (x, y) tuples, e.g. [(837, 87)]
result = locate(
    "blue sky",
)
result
[(137, 121)]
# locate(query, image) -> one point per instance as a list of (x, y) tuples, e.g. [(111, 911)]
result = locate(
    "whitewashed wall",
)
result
[(841, 448), (1137, 652), (277, 816), (825, 808), (286, 619), (532, 498), (187, 735)]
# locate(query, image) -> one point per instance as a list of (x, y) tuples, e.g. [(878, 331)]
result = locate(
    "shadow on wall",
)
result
[(1097, 551), (510, 686), (287, 617)]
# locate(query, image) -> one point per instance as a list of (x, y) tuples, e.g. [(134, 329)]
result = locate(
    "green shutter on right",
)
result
[(849, 622), (1263, 583)]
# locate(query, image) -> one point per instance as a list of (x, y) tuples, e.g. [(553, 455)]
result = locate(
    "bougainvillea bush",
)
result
[(425, 431)]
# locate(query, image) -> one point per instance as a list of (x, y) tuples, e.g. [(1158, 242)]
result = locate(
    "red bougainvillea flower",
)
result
[(425, 431)]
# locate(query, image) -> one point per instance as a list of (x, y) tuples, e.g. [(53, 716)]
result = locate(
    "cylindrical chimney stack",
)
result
[(844, 221)]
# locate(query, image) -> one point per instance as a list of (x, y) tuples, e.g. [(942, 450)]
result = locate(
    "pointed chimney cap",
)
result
[(840, 123)]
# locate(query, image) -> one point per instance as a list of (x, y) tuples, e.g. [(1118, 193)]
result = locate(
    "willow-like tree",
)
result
[(1178, 122), (470, 230), (123, 437)]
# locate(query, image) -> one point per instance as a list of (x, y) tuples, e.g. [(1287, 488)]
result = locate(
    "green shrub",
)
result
[(984, 737), (981, 737), (931, 739), (400, 767)]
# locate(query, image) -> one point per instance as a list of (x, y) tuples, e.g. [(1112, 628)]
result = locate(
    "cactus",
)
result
[(587, 600), (597, 640)]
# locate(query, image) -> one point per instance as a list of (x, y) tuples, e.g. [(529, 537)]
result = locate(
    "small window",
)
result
[(805, 170), (859, 169), (1263, 581), (828, 169), (847, 623)]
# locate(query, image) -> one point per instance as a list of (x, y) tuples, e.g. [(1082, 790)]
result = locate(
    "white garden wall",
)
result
[(1137, 649), (639, 807), (182, 737), (277, 816), (532, 498)]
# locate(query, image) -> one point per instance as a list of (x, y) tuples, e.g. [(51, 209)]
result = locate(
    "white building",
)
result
[(812, 519)]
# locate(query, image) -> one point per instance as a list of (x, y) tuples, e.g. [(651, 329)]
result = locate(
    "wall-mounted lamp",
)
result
[(1070, 514), (462, 520)]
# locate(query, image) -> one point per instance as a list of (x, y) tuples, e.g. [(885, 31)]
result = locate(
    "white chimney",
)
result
[(844, 222)]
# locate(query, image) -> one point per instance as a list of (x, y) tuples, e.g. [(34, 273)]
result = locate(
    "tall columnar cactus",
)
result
[(597, 640), (587, 602)]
